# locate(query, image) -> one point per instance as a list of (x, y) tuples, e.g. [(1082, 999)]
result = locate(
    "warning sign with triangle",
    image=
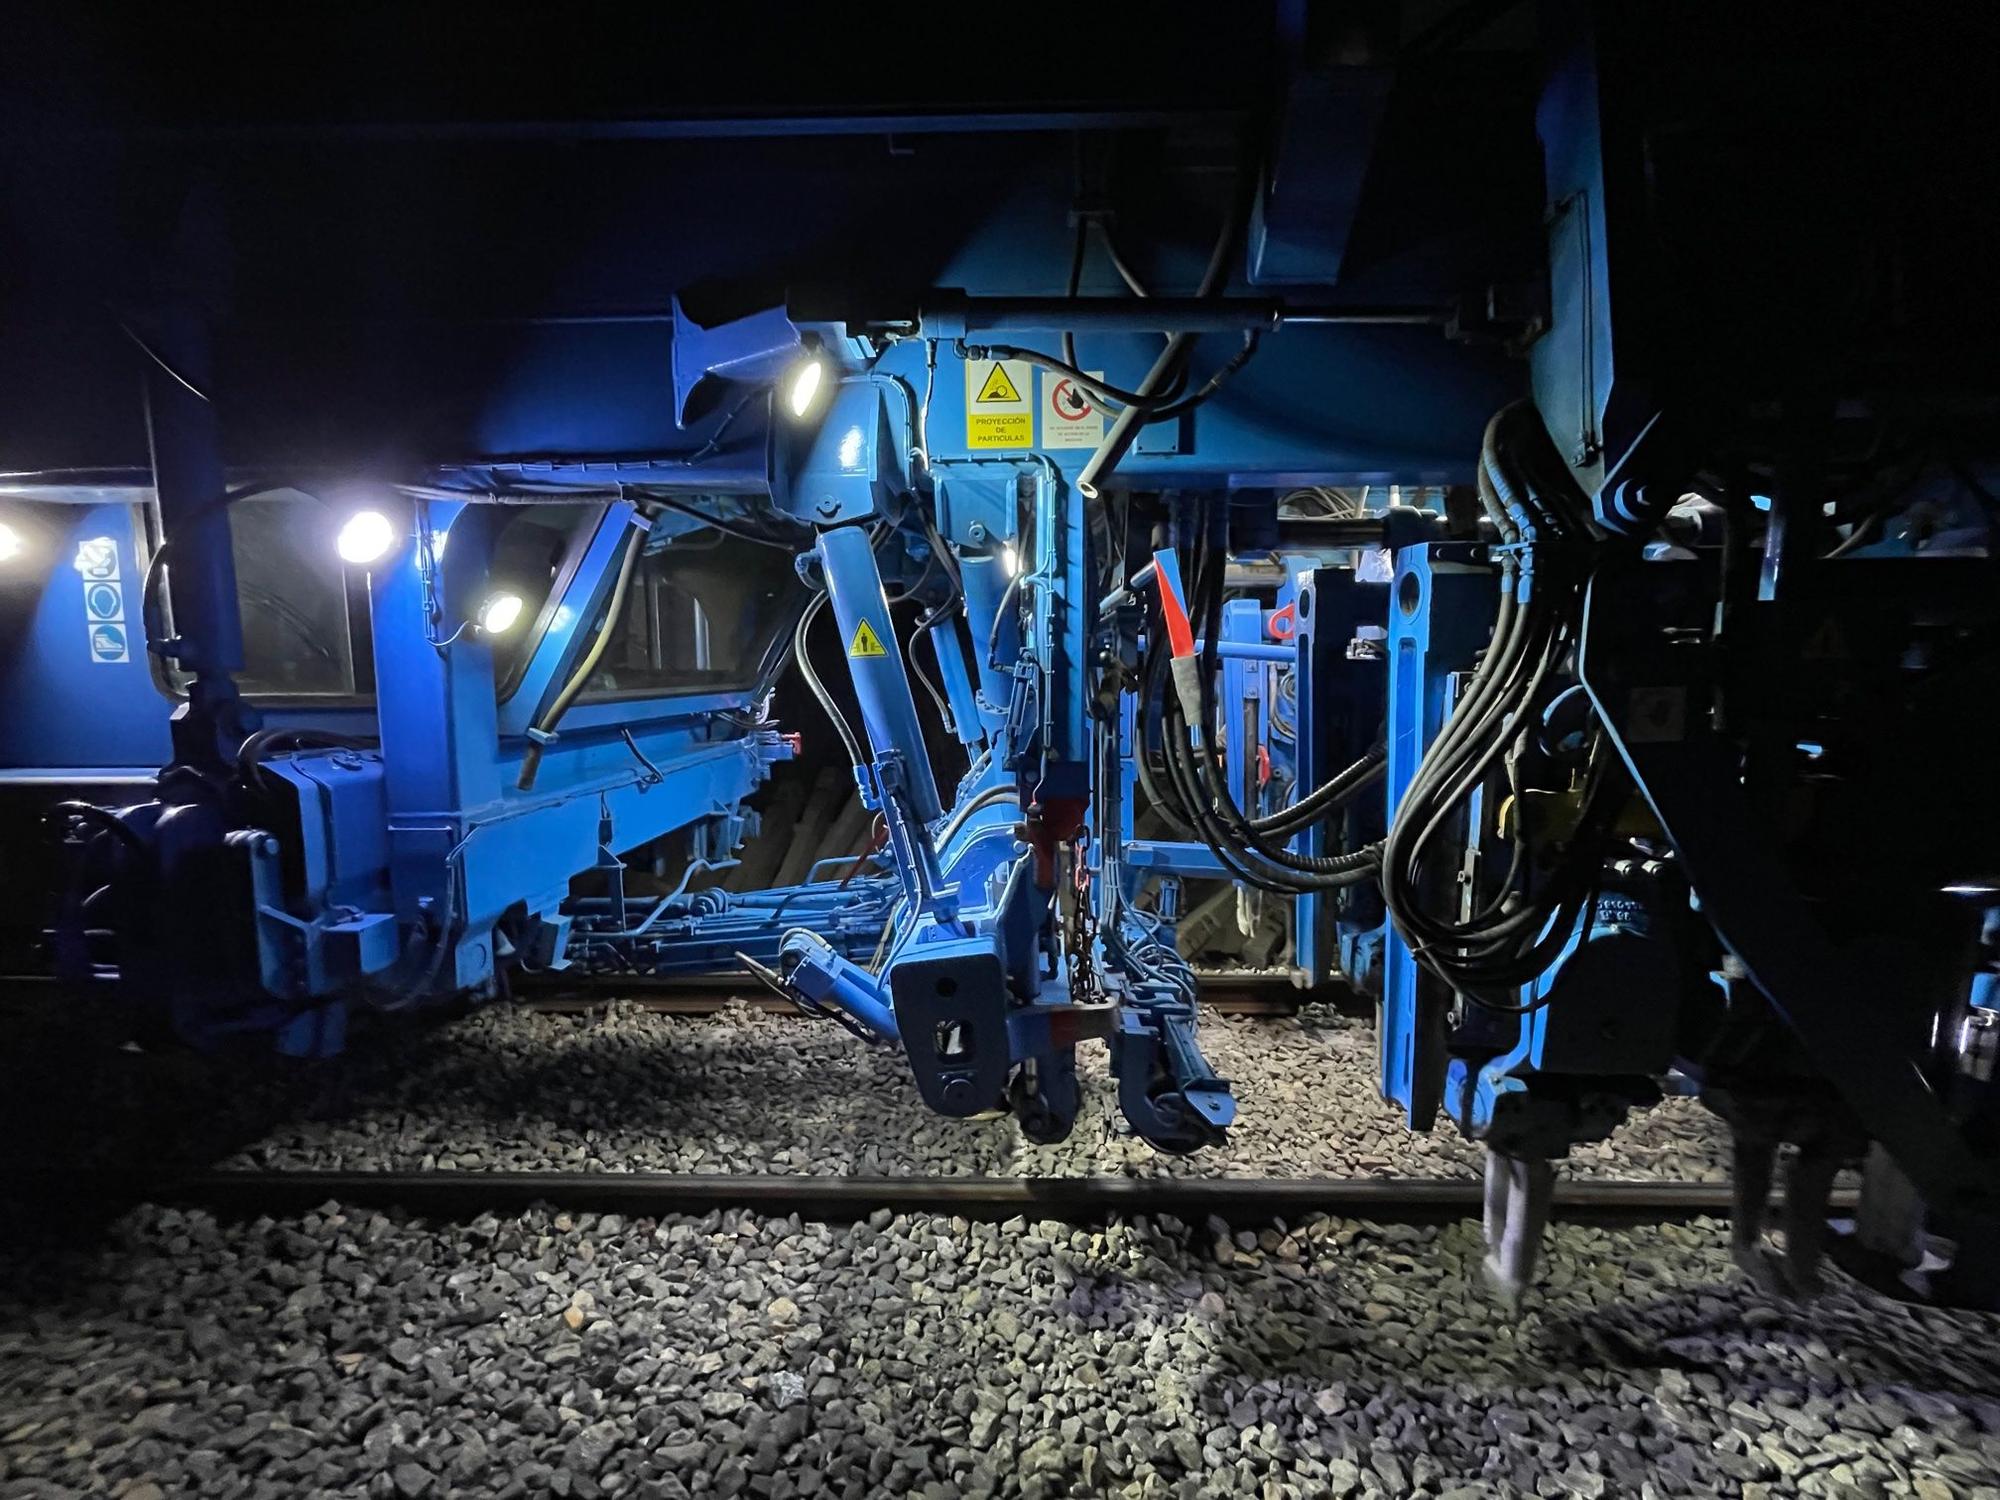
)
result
[(998, 387), (999, 407), (866, 642)]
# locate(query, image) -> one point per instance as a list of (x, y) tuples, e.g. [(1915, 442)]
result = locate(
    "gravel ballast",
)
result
[(358, 1353), (749, 1092)]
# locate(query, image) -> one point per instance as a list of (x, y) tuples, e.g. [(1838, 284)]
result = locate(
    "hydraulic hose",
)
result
[(1164, 800), (531, 762), (250, 754), (1249, 867), (1343, 869), (1336, 791), (818, 688), (959, 815), (1262, 863), (1168, 365), (1512, 936), (1007, 597), (1236, 842)]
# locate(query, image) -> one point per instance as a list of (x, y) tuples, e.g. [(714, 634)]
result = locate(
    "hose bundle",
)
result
[(1197, 798), (1543, 556)]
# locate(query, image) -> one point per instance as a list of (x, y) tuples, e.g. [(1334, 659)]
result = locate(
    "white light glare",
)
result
[(365, 537), (10, 543), (1010, 560), (498, 614), (804, 383)]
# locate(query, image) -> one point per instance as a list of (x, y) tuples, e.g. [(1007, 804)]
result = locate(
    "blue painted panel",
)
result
[(1441, 614), (1332, 405), (64, 705)]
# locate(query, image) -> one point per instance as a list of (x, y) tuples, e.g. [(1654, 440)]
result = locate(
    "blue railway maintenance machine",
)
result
[(1511, 488)]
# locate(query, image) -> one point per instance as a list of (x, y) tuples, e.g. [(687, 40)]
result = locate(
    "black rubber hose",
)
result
[(1173, 358), (531, 761), (1247, 865), (1336, 791), (1223, 823), (1513, 935), (1245, 836), (1165, 800), (107, 821), (250, 754)]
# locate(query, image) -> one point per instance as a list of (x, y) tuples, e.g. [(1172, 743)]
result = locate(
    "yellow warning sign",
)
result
[(999, 407), (998, 387), (866, 642)]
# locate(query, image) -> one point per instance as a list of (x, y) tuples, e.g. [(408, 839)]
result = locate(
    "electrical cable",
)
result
[(1513, 934), (1075, 285), (1118, 262), (818, 688), (1219, 803), (1454, 29), (160, 359), (1171, 363), (639, 495), (250, 754), (673, 503), (531, 759), (1110, 395), (654, 775), (151, 616), (1202, 790)]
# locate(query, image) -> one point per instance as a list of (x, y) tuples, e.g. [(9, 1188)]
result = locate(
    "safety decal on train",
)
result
[(999, 409), (1071, 417), (103, 599), (866, 642)]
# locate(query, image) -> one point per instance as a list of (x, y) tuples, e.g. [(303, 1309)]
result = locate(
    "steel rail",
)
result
[(706, 994), (703, 994), (711, 1001)]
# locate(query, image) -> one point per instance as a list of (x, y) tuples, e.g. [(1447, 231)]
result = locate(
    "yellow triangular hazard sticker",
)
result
[(866, 642), (998, 387)]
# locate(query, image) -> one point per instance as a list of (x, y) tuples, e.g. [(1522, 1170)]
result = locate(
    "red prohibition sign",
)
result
[(1070, 403)]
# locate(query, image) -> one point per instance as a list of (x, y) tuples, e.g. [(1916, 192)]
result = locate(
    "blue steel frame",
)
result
[(424, 864), (1443, 608), (405, 871)]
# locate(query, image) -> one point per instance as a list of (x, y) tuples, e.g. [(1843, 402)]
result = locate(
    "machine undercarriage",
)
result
[(1574, 685)]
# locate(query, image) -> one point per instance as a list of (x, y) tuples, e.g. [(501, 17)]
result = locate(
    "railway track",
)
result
[(461, 1195), (705, 994), (710, 1001)]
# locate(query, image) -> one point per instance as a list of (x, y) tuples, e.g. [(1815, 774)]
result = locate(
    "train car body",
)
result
[(1511, 489)]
